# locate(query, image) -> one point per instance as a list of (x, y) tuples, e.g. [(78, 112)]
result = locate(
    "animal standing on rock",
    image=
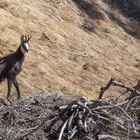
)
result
[(10, 65)]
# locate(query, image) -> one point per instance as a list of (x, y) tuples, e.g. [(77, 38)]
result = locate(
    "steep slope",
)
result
[(76, 45)]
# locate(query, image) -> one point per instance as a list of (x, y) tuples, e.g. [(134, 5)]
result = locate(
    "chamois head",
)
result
[(24, 45)]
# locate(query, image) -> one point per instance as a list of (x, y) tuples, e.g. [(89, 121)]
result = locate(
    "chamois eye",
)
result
[(25, 45)]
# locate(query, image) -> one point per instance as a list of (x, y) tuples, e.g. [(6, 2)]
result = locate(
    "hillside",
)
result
[(76, 46)]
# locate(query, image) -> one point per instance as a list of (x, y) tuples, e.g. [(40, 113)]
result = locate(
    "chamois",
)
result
[(10, 65)]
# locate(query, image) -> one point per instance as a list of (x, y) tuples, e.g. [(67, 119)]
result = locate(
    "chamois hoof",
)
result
[(18, 97), (8, 97)]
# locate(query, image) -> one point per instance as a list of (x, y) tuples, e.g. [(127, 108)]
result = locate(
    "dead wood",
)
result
[(62, 117)]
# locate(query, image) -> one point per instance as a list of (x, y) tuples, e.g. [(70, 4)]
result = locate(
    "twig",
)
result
[(115, 83), (131, 102), (62, 130), (71, 120), (104, 137), (109, 106), (37, 127), (103, 89), (72, 133)]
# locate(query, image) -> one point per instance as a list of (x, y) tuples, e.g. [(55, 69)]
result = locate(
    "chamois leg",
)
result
[(17, 87), (9, 82)]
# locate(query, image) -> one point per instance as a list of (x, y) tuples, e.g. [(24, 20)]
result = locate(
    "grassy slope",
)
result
[(70, 51)]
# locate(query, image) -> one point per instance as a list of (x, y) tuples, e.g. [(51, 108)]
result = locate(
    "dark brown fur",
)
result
[(10, 67)]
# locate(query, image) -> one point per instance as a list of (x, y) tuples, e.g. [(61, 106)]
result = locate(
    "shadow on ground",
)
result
[(127, 8), (89, 7)]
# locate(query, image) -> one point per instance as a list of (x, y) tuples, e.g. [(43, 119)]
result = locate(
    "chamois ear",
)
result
[(22, 38), (28, 38)]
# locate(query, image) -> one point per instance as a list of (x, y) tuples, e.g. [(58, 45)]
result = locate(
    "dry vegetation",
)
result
[(61, 117)]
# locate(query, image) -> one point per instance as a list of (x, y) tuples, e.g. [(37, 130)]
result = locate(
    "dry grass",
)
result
[(64, 57)]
